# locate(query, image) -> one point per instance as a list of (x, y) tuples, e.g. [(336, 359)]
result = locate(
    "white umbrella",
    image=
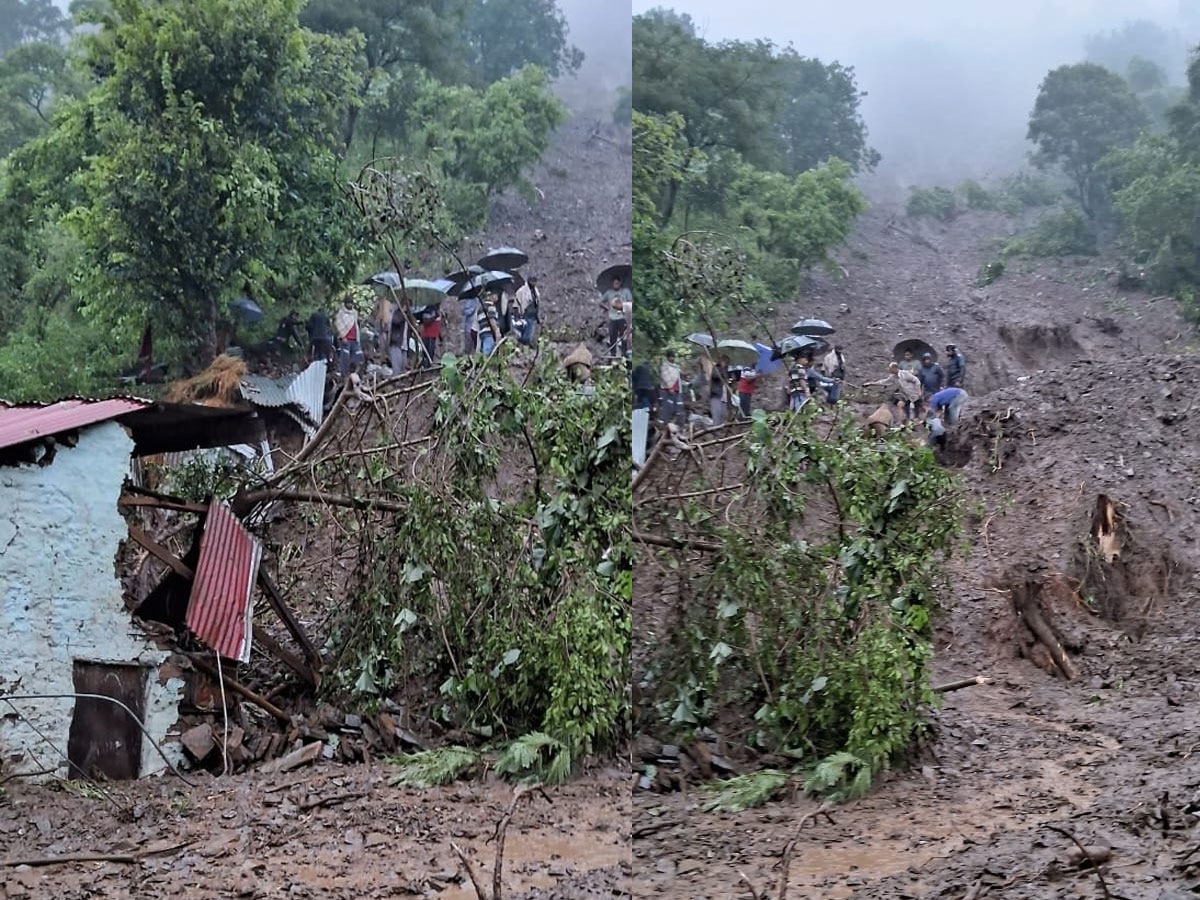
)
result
[(741, 353)]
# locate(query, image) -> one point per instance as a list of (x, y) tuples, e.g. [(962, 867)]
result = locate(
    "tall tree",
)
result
[(30, 21), (505, 35), (1082, 112), (213, 128), (819, 117)]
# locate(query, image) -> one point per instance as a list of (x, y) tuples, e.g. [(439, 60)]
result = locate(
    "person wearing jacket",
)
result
[(670, 388), (933, 379), (745, 390), (956, 367), (796, 389), (905, 388), (345, 325)]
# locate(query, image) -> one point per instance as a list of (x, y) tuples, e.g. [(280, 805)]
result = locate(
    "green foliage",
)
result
[(1066, 232), (433, 768), (29, 22), (505, 36), (471, 135), (200, 165), (976, 196), (513, 594), (1024, 190), (773, 109), (1082, 112), (841, 775), (990, 273), (54, 353), (1135, 47), (934, 203), (748, 791), (536, 756), (811, 624)]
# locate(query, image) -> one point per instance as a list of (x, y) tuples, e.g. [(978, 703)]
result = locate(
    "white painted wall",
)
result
[(60, 599)]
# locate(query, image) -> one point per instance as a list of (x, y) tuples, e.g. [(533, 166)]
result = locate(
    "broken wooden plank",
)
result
[(161, 503), (284, 655), (307, 754), (275, 599), (160, 552)]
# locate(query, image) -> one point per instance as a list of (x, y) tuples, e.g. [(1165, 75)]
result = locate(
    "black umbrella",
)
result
[(517, 281), (812, 327), (504, 258), (797, 343), (623, 271), (484, 283), (916, 347), (462, 279)]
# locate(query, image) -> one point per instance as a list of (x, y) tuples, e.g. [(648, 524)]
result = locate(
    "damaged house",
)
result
[(70, 636)]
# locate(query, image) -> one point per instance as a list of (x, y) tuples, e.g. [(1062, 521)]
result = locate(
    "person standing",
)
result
[(320, 337), (529, 299), (470, 312), (487, 326), (908, 364), (834, 363), (745, 391), (398, 341), (718, 400), (933, 379), (905, 389), (431, 333), (796, 389), (345, 325), (615, 299), (956, 367), (643, 386)]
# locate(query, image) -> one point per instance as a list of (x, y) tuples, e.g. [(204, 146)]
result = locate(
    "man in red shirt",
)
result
[(431, 332), (345, 324), (745, 390)]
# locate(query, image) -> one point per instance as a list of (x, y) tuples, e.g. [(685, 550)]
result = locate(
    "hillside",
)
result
[(1080, 435)]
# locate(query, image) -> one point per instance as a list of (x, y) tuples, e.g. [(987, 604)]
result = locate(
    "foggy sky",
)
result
[(950, 83)]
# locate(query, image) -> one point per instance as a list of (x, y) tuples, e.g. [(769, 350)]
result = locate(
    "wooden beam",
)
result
[(284, 655), (240, 689), (160, 552), (275, 599), (157, 503)]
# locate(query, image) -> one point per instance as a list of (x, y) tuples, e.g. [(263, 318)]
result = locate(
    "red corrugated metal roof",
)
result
[(219, 612), (19, 424)]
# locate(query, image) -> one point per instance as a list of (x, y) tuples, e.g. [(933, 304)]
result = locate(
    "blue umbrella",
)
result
[(246, 309), (766, 363)]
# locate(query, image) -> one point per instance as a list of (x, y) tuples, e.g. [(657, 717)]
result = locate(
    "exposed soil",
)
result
[(1081, 450), (260, 835)]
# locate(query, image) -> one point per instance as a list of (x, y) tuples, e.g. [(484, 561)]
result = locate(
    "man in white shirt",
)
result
[(345, 326)]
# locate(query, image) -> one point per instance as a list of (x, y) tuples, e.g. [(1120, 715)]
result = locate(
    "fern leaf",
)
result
[(431, 768), (745, 791)]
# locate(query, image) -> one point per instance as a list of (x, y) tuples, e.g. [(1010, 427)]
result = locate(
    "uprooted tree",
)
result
[(486, 506), (788, 572)]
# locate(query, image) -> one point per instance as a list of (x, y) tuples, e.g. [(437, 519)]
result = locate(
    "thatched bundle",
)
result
[(218, 385)]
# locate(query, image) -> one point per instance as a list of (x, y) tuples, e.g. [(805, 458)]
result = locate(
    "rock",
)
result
[(648, 749), (1096, 854), (297, 758), (353, 721), (199, 742)]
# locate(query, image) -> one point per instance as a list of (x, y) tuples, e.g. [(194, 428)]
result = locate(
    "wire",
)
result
[(8, 698), (225, 715)]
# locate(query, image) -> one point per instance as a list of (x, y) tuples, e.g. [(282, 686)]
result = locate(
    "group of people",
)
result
[(418, 336), (920, 390)]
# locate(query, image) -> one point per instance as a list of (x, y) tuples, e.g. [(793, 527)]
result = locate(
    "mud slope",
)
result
[(1081, 454)]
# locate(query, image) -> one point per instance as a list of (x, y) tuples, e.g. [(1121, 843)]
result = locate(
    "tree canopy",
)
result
[(1082, 112)]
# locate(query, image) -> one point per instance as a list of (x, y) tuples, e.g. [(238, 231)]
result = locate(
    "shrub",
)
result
[(989, 273), (935, 203), (976, 196), (1065, 232)]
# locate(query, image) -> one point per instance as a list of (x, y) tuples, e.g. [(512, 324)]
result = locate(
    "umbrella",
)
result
[(623, 271), (797, 343), (812, 327), (766, 363), (419, 291), (517, 281), (916, 346), (246, 310), (387, 279), (443, 284), (504, 258), (462, 279), (485, 280), (701, 338), (741, 353)]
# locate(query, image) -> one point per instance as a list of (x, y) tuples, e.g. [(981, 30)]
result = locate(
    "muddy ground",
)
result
[(1079, 391), (343, 831)]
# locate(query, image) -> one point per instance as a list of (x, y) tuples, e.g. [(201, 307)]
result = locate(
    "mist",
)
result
[(949, 84), (602, 31)]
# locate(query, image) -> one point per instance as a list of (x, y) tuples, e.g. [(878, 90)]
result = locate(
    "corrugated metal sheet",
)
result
[(219, 610), (305, 392), (19, 424)]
